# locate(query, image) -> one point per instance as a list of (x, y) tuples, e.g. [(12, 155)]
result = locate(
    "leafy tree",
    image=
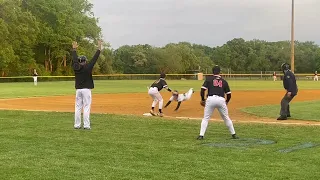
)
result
[(61, 22), (38, 34)]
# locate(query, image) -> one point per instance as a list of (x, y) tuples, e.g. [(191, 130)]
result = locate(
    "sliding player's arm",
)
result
[(178, 106)]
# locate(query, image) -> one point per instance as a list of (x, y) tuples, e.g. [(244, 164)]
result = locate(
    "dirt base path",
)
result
[(139, 103)]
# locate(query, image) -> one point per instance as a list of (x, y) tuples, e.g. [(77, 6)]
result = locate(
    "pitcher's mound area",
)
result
[(140, 104)]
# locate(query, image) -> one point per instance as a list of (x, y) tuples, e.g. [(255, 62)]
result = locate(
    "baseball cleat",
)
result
[(234, 136), (86, 128), (77, 127), (200, 138), (160, 114), (282, 118), (152, 113)]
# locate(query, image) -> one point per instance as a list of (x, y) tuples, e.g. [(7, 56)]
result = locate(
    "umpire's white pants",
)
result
[(212, 103), (83, 101)]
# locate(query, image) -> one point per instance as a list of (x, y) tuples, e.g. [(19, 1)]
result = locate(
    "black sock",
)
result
[(160, 110), (152, 108)]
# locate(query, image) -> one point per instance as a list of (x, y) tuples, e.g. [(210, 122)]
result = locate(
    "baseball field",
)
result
[(38, 140)]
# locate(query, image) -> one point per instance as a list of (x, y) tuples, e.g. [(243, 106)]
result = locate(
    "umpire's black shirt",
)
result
[(83, 73), (289, 82)]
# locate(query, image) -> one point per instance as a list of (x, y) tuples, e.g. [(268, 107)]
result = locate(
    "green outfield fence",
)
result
[(260, 76)]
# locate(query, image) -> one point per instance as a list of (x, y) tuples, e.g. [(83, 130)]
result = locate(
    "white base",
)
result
[(147, 114)]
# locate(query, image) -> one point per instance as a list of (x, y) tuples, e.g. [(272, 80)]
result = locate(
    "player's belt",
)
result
[(215, 96)]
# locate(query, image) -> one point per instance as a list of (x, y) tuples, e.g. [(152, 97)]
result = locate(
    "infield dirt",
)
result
[(139, 103)]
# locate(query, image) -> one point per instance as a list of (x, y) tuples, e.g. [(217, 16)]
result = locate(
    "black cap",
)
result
[(285, 66), (162, 75), (82, 59), (216, 69)]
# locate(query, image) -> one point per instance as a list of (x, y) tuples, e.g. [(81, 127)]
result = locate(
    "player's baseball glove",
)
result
[(203, 103)]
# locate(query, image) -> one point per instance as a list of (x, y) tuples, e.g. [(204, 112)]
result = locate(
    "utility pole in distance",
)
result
[(292, 37)]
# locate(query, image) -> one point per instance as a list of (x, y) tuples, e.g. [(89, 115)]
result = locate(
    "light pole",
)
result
[(292, 37)]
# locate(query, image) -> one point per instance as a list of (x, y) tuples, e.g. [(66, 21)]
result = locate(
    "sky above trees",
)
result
[(38, 34), (208, 22)]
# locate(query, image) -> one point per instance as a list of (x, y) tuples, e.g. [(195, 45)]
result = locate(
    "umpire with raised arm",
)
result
[(290, 85)]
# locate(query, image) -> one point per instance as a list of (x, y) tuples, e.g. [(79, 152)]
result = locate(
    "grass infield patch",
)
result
[(299, 110)]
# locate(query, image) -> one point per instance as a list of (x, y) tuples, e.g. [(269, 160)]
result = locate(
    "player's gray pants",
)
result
[(285, 108), (83, 101), (220, 103)]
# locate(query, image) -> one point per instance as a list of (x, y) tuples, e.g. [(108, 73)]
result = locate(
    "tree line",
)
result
[(38, 34)]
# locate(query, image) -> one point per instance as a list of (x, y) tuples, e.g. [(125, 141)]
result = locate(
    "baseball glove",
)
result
[(203, 103)]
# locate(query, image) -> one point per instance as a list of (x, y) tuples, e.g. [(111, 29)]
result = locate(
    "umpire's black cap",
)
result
[(285, 66), (216, 69)]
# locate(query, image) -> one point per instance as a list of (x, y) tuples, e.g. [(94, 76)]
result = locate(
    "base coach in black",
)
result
[(83, 84), (290, 85)]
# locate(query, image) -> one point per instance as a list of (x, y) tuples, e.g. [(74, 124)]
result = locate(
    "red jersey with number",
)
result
[(216, 85)]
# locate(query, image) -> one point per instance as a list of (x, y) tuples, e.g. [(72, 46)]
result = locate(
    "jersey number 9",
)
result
[(217, 83)]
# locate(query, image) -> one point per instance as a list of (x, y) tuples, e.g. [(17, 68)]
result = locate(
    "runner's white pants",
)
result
[(188, 94)]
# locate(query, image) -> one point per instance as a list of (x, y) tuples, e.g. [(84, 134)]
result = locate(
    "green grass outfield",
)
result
[(13, 90), (41, 145)]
